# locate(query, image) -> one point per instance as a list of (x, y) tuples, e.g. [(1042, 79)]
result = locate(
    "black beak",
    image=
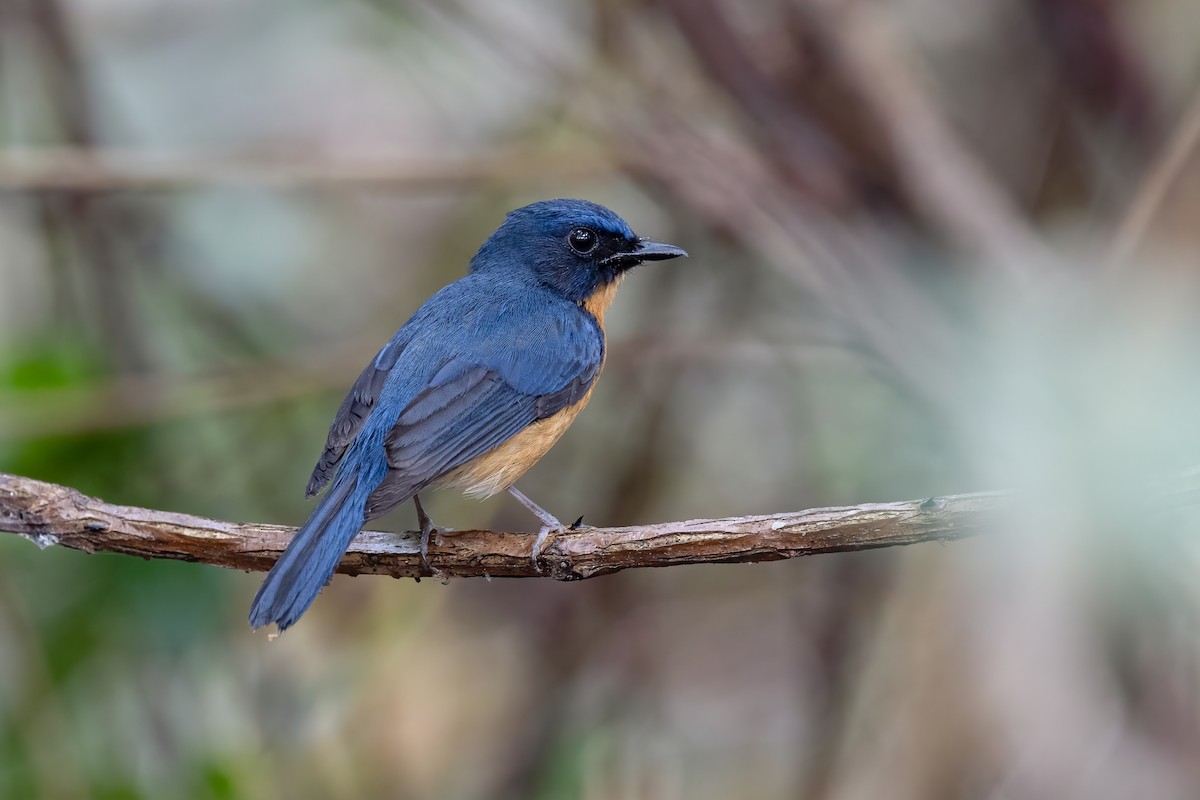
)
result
[(654, 251), (644, 251)]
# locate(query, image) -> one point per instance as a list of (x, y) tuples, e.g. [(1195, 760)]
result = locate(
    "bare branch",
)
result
[(49, 514)]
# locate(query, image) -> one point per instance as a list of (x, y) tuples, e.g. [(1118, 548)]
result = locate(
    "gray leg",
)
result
[(550, 524)]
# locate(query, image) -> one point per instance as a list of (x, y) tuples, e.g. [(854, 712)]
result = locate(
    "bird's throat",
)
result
[(599, 301)]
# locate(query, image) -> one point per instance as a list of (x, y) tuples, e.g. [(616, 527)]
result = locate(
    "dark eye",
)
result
[(582, 240)]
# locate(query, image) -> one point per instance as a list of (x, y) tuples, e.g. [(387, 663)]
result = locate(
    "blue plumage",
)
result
[(510, 344)]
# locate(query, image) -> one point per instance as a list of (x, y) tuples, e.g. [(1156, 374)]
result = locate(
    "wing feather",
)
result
[(466, 416), (355, 409), (506, 359)]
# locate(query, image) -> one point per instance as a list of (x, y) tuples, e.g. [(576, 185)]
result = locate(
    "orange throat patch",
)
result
[(601, 299)]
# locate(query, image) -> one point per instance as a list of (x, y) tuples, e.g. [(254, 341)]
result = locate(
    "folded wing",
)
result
[(477, 401), (358, 405)]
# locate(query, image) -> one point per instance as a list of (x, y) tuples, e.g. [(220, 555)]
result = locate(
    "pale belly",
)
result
[(495, 471)]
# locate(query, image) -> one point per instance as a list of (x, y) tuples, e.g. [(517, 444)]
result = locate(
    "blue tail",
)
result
[(311, 557)]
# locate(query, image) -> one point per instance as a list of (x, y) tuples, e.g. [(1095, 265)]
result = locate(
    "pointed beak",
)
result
[(644, 251), (656, 251)]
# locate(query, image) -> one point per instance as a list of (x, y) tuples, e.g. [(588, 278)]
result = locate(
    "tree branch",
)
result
[(49, 514)]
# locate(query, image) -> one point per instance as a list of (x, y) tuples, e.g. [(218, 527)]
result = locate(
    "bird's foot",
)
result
[(429, 531), (542, 542), (550, 524)]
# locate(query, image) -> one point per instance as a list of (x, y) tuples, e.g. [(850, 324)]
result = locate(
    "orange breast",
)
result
[(597, 305), (496, 470)]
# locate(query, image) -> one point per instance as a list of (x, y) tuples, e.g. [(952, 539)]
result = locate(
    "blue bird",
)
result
[(472, 390)]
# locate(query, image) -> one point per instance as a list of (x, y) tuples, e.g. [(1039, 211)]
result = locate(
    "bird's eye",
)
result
[(582, 240)]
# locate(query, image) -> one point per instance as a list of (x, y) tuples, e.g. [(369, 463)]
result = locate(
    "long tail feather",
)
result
[(311, 557)]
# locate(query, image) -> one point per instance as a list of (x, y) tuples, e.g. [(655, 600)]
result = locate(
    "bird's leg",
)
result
[(550, 523), (427, 530), (548, 519)]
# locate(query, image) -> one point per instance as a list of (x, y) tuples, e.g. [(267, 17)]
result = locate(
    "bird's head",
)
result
[(571, 246)]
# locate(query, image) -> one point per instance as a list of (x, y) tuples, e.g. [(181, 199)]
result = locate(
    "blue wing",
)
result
[(476, 364), (355, 409), (510, 365), (501, 360)]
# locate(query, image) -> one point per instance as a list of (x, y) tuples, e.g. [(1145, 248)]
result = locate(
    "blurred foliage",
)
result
[(936, 247)]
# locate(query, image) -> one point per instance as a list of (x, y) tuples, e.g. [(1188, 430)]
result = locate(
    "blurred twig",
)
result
[(108, 170), (76, 226), (49, 514), (1162, 176), (943, 180), (1096, 57), (885, 129)]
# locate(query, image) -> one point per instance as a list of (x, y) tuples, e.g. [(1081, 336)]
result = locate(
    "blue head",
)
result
[(571, 246)]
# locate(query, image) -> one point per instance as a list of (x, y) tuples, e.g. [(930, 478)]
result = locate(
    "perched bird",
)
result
[(471, 392)]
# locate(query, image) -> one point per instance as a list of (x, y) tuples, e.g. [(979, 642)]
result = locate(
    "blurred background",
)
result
[(936, 247)]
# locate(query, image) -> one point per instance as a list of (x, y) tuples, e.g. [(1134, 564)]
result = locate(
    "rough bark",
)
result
[(49, 514)]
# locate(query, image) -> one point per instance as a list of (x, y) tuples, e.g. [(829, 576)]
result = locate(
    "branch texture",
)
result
[(49, 514)]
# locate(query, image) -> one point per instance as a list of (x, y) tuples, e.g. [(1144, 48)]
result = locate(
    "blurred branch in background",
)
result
[(107, 170), (134, 401), (82, 233), (1161, 177), (49, 514), (898, 146)]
